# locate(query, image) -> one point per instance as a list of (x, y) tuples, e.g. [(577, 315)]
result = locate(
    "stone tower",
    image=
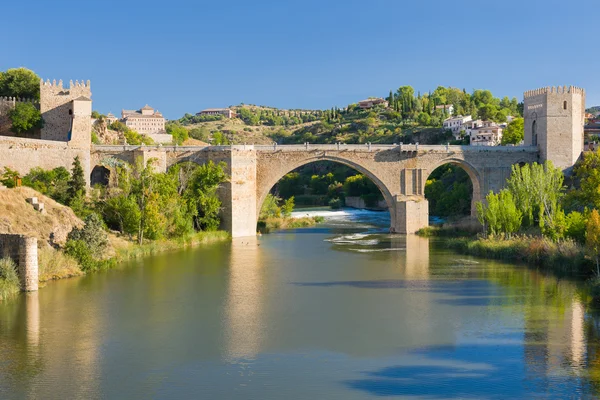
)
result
[(66, 112), (554, 119)]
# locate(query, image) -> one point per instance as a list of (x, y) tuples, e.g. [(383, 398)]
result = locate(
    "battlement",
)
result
[(13, 100), (59, 85), (555, 90)]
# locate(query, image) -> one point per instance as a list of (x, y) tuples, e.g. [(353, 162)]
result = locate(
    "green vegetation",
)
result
[(410, 117), (449, 191), (326, 183), (178, 132), (9, 281), (25, 117), (276, 214), (538, 220), (19, 82), (131, 136), (514, 132), (161, 211)]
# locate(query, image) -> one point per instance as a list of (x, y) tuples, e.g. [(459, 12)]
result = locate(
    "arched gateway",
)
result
[(399, 171)]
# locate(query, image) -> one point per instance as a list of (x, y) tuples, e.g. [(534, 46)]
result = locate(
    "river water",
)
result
[(341, 311)]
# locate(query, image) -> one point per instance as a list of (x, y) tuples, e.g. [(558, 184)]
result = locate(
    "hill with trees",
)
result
[(408, 117)]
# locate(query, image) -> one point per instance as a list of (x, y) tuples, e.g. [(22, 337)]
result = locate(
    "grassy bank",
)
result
[(55, 264), (564, 257), (273, 223), (132, 250)]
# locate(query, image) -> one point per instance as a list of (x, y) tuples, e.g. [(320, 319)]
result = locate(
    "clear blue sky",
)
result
[(183, 56)]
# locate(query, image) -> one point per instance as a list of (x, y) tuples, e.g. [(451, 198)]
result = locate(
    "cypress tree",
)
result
[(76, 185)]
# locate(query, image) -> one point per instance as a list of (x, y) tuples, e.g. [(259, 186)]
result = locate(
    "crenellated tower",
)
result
[(554, 119), (66, 112)]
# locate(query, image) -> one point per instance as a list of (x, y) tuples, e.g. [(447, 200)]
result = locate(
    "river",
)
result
[(340, 311)]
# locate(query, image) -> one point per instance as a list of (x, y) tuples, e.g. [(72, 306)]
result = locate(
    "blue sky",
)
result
[(183, 56)]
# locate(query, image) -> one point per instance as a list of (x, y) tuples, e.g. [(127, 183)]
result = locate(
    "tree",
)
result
[(592, 240), (20, 82), (24, 118), (178, 132), (76, 185), (500, 215), (514, 132), (537, 190)]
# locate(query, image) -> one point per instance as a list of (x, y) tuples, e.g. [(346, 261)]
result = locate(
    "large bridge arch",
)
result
[(269, 176)]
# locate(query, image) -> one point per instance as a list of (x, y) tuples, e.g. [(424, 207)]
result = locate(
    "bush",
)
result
[(79, 250), (335, 204), (9, 280), (25, 117), (92, 235)]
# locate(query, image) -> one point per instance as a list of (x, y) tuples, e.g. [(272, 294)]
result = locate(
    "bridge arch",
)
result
[(474, 175), (274, 175)]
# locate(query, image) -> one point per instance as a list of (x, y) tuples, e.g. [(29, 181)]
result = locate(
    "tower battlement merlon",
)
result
[(17, 100), (554, 90), (59, 85)]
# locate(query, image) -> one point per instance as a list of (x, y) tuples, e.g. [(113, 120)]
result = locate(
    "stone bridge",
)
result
[(399, 171)]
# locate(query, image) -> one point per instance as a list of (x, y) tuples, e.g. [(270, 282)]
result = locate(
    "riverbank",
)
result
[(55, 264), (273, 223)]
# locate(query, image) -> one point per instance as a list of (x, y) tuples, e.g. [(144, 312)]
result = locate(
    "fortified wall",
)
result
[(23, 251), (7, 104), (66, 134)]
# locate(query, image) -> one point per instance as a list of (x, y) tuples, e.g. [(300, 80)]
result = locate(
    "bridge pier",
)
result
[(410, 216)]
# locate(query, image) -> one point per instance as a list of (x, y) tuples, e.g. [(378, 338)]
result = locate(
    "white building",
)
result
[(226, 112), (145, 120), (448, 108), (456, 124), (490, 134)]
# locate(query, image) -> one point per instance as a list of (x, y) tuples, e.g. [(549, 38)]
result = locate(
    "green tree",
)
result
[(514, 132), (25, 117), (592, 240), (178, 132), (20, 82), (537, 190), (500, 214), (76, 185)]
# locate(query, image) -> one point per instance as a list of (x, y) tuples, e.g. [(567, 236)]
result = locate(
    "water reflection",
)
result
[(244, 306), (299, 315)]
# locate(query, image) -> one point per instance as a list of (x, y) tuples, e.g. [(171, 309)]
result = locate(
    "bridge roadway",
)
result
[(399, 171)]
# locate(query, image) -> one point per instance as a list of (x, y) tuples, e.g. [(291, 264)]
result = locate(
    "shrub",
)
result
[(335, 204), (92, 235), (25, 117), (79, 250), (9, 280)]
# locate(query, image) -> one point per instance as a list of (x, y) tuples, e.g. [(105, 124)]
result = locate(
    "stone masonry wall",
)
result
[(23, 251), (24, 154), (56, 107)]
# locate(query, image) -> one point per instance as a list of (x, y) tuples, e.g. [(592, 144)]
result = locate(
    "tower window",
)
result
[(70, 112), (565, 105)]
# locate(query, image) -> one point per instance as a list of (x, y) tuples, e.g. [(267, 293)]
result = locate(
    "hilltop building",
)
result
[(488, 134), (457, 124), (144, 121), (110, 118), (226, 112), (370, 103)]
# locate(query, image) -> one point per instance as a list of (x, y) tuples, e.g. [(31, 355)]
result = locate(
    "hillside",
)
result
[(402, 117), (20, 217)]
